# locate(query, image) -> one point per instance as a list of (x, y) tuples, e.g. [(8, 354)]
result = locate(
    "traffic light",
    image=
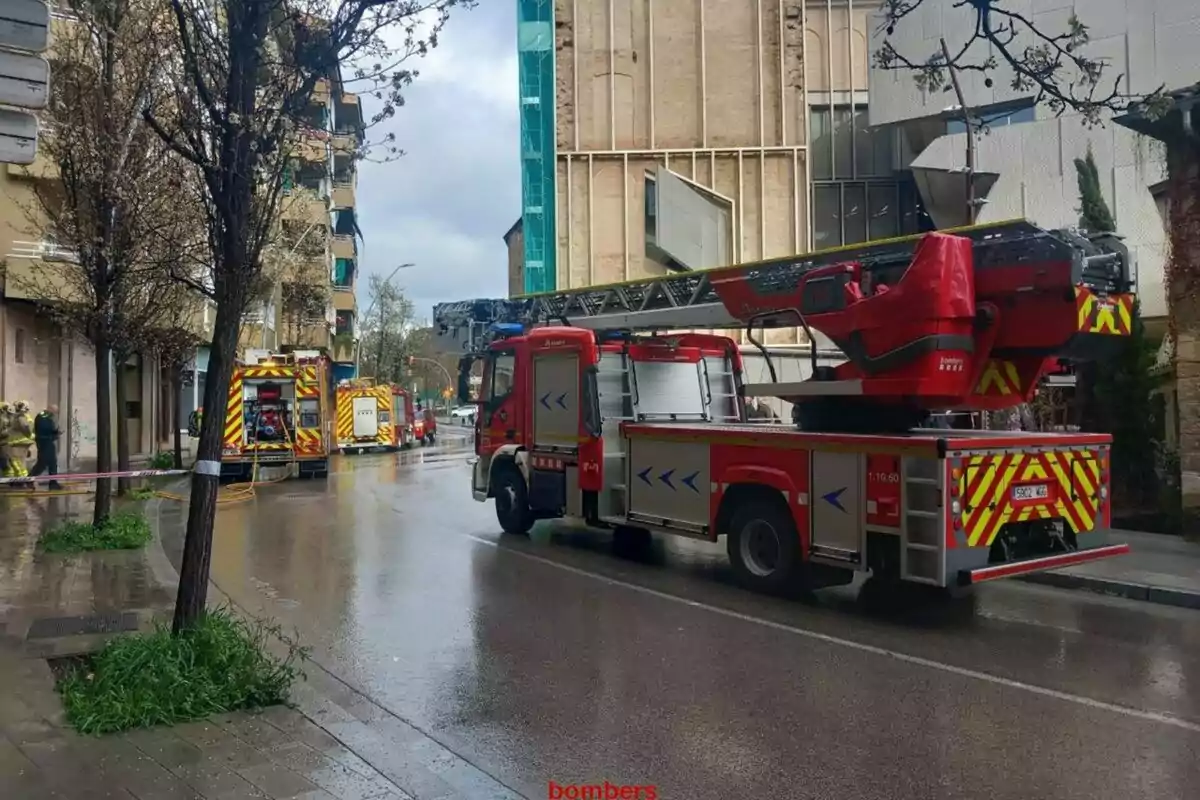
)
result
[(24, 76)]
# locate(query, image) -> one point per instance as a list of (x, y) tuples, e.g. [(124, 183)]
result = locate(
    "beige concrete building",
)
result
[(695, 134)]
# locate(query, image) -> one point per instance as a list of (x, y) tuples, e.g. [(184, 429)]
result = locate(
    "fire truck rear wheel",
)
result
[(512, 501), (763, 545)]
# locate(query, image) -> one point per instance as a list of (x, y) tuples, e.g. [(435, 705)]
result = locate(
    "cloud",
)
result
[(446, 204)]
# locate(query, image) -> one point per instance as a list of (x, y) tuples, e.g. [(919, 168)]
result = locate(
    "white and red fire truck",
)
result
[(591, 408)]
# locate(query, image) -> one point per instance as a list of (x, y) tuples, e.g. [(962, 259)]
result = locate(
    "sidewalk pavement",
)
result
[(1159, 569), (335, 742)]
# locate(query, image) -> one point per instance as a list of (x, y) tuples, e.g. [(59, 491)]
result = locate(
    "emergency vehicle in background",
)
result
[(593, 406), (279, 411), (373, 416)]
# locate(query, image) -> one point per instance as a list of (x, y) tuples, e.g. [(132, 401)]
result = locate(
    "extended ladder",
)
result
[(689, 299)]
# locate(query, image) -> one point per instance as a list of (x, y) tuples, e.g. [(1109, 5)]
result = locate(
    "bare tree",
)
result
[(115, 209), (244, 73), (387, 328), (1052, 65)]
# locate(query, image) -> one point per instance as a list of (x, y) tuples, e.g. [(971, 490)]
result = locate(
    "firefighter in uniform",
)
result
[(20, 439), (5, 419), (194, 422)]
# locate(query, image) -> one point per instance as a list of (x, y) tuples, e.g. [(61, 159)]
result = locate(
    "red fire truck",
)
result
[(591, 408)]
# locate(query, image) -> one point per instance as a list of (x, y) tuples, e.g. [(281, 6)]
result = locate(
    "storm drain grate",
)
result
[(51, 627)]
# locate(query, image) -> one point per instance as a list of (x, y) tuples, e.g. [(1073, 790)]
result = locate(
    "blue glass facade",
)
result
[(535, 67)]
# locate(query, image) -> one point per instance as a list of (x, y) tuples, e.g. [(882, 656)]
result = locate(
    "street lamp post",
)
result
[(370, 308)]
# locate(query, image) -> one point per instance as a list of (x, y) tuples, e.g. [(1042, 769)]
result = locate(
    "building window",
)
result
[(19, 346), (651, 206), (848, 212), (845, 147), (996, 119)]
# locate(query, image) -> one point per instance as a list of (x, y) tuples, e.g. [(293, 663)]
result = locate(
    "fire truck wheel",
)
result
[(763, 545), (512, 501)]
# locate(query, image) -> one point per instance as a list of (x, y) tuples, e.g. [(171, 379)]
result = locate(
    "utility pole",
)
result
[(972, 207)]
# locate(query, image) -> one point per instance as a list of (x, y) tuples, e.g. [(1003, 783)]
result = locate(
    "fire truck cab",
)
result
[(647, 432)]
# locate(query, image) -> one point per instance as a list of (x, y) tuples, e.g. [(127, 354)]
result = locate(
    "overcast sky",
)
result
[(447, 203)]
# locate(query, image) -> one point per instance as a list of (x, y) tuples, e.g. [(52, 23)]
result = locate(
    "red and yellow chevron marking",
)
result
[(306, 383), (268, 372), (345, 411), (308, 440), (985, 485), (233, 412), (999, 378), (1111, 315)]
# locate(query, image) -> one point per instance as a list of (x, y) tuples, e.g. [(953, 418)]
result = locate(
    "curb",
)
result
[(1179, 598)]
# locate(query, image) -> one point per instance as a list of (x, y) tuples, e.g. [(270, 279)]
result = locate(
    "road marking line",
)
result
[(1135, 713)]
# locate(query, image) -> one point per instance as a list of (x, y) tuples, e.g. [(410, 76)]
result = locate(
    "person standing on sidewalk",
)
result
[(20, 439), (45, 435), (6, 469)]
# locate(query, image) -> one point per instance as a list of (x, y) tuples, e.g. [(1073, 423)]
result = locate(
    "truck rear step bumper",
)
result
[(969, 577)]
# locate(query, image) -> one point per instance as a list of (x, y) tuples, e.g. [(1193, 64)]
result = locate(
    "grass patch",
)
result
[(141, 493), (144, 680), (163, 459), (122, 531)]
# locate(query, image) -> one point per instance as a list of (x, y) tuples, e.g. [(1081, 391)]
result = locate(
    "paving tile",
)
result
[(164, 746), (243, 794), (236, 754), (213, 780), (278, 782), (301, 758), (347, 784), (319, 794), (258, 732), (203, 733)]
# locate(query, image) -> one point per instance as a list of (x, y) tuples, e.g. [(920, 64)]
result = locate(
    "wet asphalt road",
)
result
[(553, 659)]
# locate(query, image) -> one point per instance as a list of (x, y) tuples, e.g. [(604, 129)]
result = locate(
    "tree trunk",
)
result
[(122, 393), (104, 432), (176, 396), (197, 547)]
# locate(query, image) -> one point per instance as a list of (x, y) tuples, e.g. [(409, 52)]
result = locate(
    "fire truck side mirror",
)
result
[(464, 380)]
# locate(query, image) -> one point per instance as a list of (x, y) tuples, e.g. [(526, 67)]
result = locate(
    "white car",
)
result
[(464, 415)]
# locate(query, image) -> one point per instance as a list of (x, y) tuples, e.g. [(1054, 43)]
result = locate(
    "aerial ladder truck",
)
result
[(594, 405)]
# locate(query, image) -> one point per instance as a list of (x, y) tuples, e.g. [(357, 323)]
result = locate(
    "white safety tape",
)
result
[(91, 476), (208, 468)]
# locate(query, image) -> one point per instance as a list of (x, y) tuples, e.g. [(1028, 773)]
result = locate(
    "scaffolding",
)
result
[(535, 65)]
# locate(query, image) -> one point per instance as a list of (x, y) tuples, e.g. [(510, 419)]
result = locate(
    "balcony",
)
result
[(344, 247), (343, 194), (320, 95), (201, 320), (312, 335), (343, 348), (41, 168), (343, 298), (312, 146), (305, 205), (345, 143), (43, 271)]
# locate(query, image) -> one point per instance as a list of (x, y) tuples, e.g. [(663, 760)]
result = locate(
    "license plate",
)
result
[(1037, 492)]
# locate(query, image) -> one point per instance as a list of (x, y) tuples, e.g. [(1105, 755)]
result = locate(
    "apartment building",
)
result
[(314, 260), (670, 135), (40, 361)]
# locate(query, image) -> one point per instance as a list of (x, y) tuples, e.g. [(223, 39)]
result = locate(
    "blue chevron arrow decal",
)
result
[(690, 481), (666, 478), (834, 499), (545, 401), (562, 400), (645, 475)]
